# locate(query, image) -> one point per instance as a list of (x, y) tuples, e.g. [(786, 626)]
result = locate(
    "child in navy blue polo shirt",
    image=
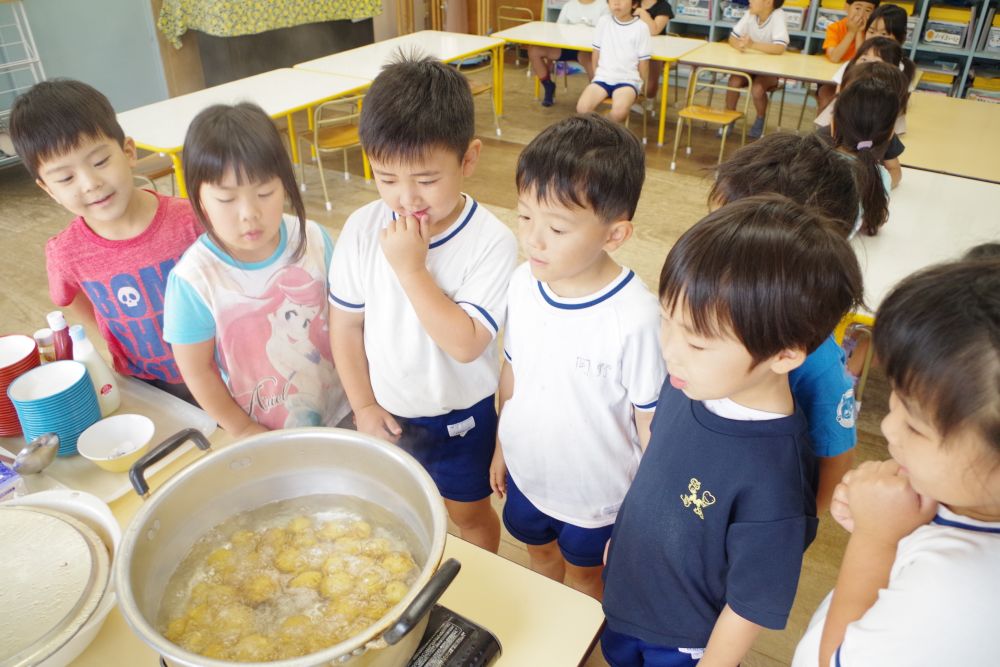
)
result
[(708, 543)]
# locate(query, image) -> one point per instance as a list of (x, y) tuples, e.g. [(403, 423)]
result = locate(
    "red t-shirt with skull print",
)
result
[(125, 282)]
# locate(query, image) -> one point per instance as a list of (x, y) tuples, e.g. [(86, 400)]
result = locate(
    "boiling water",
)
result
[(289, 578)]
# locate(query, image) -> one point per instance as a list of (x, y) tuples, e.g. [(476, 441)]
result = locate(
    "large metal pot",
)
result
[(266, 468)]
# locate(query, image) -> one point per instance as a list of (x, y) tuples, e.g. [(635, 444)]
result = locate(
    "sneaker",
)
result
[(637, 109), (757, 129), (731, 126), (550, 92)]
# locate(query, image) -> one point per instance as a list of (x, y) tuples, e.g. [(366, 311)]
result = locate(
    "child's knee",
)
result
[(468, 515)]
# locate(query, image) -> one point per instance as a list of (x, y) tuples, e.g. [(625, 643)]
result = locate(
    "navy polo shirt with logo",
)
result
[(720, 512)]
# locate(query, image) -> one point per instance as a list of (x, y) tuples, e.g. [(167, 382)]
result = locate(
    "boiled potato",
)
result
[(335, 564), (306, 580), (274, 538), (345, 608), (260, 588), (399, 564), (376, 546), (395, 591), (194, 641), (253, 648), (371, 581), (336, 584), (305, 539), (216, 651), (361, 529), (289, 561), (348, 545), (331, 530), (201, 614)]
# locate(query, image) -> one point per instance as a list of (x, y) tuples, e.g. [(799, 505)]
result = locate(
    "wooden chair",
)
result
[(509, 16), (706, 113), (478, 87), (335, 128)]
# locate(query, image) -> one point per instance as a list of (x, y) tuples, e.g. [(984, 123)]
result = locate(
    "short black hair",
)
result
[(416, 105), (55, 116), (804, 169), (778, 4), (989, 250), (777, 274), (585, 161), (870, 2), (894, 19), (243, 138), (937, 336)]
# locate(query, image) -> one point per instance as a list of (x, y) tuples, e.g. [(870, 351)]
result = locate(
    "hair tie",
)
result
[(864, 144)]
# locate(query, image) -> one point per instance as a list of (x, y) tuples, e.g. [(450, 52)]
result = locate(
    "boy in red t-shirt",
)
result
[(842, 39), (110, 265)]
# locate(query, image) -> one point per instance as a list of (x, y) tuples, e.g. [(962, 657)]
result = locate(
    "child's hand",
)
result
[(743, 43), (498, 473), (840, 508), (855, 24), (376, 420), (404, 242), (884, 506)]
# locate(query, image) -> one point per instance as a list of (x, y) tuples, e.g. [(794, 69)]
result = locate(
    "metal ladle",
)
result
[(37, 454)]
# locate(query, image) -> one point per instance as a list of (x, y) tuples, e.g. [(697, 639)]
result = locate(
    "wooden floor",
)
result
[(670, 203)]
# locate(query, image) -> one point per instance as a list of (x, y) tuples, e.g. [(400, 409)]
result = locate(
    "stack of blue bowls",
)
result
[(55, 398)]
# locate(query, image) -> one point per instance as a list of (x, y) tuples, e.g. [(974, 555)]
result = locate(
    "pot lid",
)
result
[(56, 571)]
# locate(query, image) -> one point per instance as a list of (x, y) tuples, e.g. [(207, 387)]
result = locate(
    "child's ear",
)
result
[(471, 157), (619, 232), (787, 361), (128, 147)]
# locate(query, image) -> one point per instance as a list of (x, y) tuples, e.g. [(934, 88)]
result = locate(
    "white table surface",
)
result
[(932, 218), (161, 126), (367, 61)]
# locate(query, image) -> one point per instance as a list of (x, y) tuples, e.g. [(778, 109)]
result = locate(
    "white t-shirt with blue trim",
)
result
[(580, 368), (471, 262), (269, 322), (622, 46), (774, 30), (939, 608)]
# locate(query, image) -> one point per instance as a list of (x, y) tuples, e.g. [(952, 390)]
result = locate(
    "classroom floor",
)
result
[(671, 202)]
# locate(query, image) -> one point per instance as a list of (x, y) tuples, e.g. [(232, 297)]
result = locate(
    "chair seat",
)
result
[(710, 115), (154, 166), (333, 137)]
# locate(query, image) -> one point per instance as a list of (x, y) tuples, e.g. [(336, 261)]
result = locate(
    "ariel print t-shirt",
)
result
[(269, 322)]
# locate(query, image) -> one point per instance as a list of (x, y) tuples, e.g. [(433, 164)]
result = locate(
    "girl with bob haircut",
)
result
[(246, 308)]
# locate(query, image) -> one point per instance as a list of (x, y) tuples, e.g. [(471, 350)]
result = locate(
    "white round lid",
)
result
[(56, 571)]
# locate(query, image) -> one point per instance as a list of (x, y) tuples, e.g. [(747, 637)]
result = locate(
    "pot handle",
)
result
[(425, 600), (136, 473)]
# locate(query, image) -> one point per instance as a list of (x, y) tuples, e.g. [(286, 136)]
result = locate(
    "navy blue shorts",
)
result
[(628, 651), (583, 547), (568, 54), (610, 88), (458, 464)]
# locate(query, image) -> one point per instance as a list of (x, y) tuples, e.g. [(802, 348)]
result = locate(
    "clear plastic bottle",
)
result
[(60, 335), (104, 380)]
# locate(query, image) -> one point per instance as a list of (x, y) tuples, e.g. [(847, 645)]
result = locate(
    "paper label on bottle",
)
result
[(106, 389)]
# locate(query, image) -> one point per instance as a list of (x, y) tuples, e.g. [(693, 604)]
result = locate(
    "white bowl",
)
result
[(115, 443), (92, 511), (46, 381)]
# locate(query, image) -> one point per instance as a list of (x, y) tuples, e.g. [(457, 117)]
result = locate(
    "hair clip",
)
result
[(864, 144), (901, 68)]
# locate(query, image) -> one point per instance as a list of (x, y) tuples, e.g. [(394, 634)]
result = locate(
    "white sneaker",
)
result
[(637, 109), (731, 126)]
